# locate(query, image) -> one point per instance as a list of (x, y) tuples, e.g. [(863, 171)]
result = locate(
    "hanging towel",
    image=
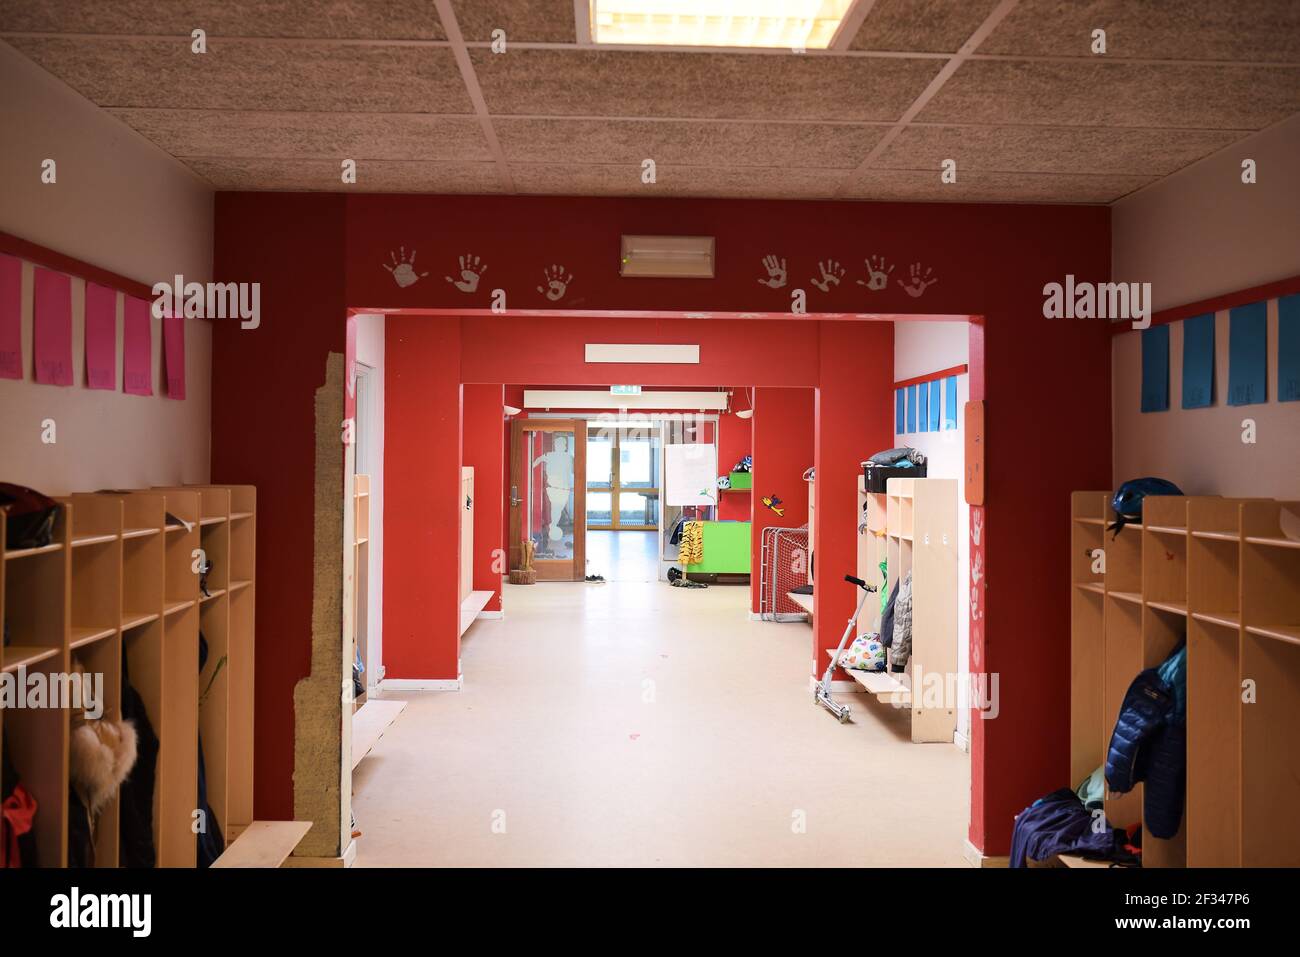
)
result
[(691, 551)]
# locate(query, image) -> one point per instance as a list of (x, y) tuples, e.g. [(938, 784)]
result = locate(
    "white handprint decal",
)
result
[(471, 268), (918, 283), (776, 272), (403, 269), (832, 272), (556, 283), (877, 275)]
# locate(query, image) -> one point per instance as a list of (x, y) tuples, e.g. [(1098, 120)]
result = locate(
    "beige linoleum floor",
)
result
[(634, 724)]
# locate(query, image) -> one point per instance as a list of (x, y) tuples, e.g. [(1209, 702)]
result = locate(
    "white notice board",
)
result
[(691, 474)]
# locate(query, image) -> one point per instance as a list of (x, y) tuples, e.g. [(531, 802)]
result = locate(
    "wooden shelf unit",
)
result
[(913, 527), (359, 585), (1220, 572), (118, 585)]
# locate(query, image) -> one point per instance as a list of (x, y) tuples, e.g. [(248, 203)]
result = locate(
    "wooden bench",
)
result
[(264, 844), (369, 723)]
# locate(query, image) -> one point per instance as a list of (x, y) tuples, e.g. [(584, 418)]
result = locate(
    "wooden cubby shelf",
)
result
[(116, 592), (912, 527), (1223, 575)]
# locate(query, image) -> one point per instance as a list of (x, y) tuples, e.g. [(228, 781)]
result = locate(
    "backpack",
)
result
[(31, 516), (1127, 502)]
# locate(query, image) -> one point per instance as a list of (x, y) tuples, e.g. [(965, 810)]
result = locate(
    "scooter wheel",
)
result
[(844, 716)]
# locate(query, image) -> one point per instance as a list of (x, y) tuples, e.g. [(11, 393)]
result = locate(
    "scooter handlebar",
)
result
[(859, 582)]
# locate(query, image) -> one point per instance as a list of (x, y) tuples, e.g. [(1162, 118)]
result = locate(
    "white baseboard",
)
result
[(961, 740), (491, 616), (422, 684), (976, 858)]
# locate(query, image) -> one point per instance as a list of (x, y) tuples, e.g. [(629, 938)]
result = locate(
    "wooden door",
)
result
[(548, 496)]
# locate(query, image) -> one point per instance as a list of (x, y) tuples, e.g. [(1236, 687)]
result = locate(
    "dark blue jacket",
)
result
[(1149, 744)]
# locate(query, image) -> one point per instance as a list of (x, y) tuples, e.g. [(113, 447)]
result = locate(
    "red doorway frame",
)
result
[(453, 373)]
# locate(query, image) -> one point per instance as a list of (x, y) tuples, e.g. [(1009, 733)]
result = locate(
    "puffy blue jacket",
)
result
[(1149, 744)]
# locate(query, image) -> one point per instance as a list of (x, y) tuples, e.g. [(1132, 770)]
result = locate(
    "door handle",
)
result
[(514, 496)]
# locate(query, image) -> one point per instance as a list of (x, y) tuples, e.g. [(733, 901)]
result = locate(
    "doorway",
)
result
[(623, 502), (547, 503)]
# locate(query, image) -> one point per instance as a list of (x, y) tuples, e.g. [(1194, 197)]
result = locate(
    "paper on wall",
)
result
[(691, 474)]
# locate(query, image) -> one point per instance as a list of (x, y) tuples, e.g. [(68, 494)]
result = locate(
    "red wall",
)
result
[(783, 450), (484, 441), (1046, 382), (264, 384), (735, 440)]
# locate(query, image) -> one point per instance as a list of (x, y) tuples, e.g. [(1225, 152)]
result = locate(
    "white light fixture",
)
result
[(793, 24), (511, 410), (745, 414), (676, 257)]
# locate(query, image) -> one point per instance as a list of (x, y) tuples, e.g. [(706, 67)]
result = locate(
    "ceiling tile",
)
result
[(255, 76), (377, 176), (1094, 93), (815, 145), (672, 84), (232, 134), (353, 19), (677, 181), (922, 26), (925, 186), (537, 21), (1050, 149), (1253, 31)]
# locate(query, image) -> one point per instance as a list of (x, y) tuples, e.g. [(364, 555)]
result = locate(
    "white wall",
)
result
[(370, 352), (121, 204), (921, 348), (1198, 234), (1202, 232)]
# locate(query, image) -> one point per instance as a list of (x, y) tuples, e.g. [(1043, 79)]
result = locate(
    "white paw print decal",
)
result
[(918, 282), (832, 272), (776, 272), (471, 270), (557, 283), (402, 268), (877, 275)]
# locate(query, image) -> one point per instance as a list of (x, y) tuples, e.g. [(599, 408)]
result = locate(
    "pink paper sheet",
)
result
[(174, 355), (11, 318), (101, 337), (52, 327), (137, 348)]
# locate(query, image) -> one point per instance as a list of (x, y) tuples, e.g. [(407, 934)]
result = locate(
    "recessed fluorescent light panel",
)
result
[(793, 24)]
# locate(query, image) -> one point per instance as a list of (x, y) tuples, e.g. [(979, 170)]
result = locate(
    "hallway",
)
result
[(634, 724), (623, 556)]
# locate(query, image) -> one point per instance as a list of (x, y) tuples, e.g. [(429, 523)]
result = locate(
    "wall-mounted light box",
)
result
[(675, 257)]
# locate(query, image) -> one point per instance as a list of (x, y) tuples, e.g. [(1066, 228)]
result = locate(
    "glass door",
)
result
[(623, 479), (547, 505)]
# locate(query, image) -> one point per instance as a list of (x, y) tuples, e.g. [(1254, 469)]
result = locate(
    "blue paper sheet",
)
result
[(1198, 362), (1288, 348), (950, 403), (911, 408), (900, 411), (1155, 369), (1248, 354), (923, 413), (936, 404)]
